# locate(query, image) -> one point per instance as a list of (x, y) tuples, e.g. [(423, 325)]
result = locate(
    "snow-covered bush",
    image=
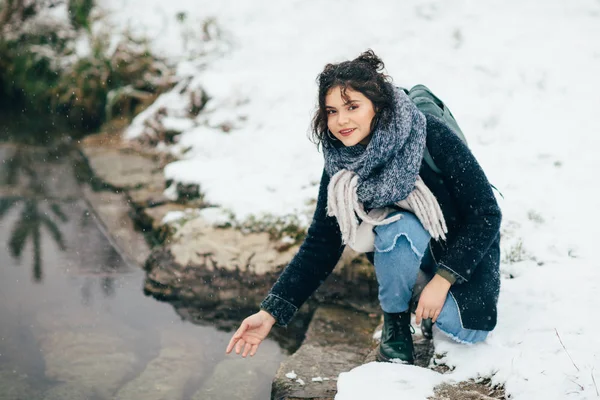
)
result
[(60, 56)]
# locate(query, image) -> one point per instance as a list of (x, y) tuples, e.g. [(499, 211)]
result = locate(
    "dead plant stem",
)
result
[(566, 351)]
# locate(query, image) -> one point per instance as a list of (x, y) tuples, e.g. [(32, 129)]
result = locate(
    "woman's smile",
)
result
[(349, 116)]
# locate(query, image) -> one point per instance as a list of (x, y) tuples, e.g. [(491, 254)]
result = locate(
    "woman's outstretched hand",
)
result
[(432, 299), (251, 333)]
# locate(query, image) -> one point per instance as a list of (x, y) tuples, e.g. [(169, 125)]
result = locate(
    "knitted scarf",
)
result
[(383, 173)]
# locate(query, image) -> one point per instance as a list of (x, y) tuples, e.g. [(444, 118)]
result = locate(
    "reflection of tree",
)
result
[(20, 172), (29, 224), (27, 176)]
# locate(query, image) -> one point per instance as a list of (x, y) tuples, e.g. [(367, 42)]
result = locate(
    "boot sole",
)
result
[(381, 358)]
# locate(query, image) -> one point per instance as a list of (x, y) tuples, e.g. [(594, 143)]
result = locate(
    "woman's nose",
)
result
[(342, 118)]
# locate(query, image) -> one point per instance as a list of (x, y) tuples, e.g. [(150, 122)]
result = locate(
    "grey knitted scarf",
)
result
[(383, 173), (389, 165)]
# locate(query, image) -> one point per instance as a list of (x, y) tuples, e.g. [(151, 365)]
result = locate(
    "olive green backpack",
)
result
[(430, 104)]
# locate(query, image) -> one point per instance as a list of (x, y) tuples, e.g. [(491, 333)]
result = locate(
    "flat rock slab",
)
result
[(122, 169), (337, 340), (197, 242), (15, 385), (179, 363), (235, 379), (113, 211)]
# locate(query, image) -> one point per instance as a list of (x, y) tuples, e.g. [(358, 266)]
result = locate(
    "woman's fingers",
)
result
[(253, 351), (236, 336), (231, 344), (418, 314), (426, 313), (239, 346), (436, 315), (247, 348)]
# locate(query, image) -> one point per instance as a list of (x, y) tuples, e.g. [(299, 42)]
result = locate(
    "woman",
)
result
[(433, 237)]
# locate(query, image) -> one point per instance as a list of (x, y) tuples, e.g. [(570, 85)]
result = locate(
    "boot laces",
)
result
[(398, 327)]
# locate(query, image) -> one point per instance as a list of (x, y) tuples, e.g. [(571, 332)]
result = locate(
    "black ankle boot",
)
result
[(396, 340)]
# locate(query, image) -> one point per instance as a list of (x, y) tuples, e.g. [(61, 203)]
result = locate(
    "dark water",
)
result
[(74, 322)]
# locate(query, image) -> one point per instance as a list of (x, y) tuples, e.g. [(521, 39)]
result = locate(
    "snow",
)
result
[(386, 380), (521, 78), (291, 375), (173, 216)]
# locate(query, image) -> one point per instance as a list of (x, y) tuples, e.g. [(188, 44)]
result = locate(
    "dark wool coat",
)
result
[(471, 253)]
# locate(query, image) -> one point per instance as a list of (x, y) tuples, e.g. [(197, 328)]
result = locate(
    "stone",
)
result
[(120, 169), (150, 195), (69, 391), (337, 340), (151, 217), (113, 211), (233, 379), (91, 362), (333, 326), (85, 353), (208, 265), (179, 363), (201, 286), (15, 385), (197, 242)]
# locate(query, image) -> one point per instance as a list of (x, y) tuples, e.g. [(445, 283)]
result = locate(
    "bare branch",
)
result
[(580, 386), (561, 342)]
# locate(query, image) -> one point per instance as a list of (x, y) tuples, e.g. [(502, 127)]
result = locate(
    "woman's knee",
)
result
[(464, 336), (450, 324), (407, 230)]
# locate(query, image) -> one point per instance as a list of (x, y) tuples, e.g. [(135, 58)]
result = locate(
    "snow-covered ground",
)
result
[(521, 77)]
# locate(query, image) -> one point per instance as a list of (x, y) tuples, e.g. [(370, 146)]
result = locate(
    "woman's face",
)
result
[(349, 121)]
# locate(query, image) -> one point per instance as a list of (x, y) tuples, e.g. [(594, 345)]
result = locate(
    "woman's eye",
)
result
[(352, 108), (329, 112)]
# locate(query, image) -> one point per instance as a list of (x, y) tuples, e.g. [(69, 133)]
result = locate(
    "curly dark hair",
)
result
[(363, 74)]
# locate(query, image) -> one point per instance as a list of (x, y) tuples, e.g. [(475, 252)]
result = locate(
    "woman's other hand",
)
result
[(432, 299), (251, 333)]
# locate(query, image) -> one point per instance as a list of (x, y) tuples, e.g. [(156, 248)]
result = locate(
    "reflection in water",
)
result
[(86, 331), (20, 172), (29, 225)]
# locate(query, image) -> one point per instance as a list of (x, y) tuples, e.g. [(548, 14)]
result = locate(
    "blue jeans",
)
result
[(401, 248)]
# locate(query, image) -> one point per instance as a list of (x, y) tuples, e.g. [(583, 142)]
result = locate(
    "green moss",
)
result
[(41, 72), (79, 13), (276, 226)]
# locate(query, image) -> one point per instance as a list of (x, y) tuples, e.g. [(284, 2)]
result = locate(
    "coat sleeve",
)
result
[(316, 258), (477, 206)]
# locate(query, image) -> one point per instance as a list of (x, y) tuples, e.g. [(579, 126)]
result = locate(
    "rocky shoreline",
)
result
[(218, 275)]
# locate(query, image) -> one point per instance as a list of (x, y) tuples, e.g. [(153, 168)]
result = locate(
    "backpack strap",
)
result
[(429, 104)]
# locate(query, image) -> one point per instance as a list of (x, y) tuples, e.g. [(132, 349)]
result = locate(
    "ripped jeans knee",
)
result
[(399, 248)]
